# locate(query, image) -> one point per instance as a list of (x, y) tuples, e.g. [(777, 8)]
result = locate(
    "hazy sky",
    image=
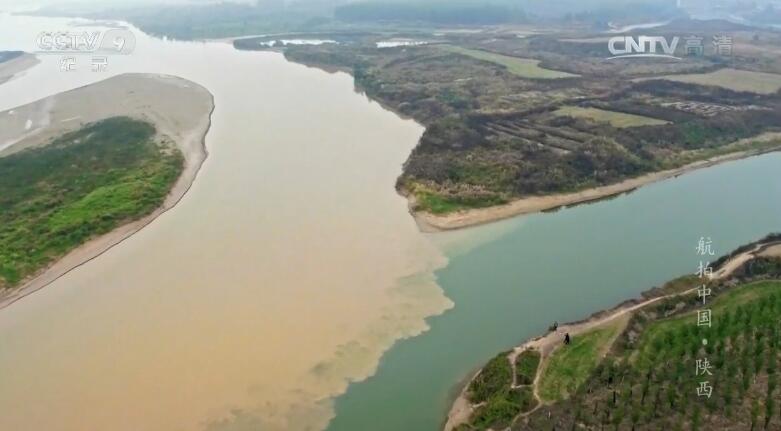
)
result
[(16, 5), (21, 5)]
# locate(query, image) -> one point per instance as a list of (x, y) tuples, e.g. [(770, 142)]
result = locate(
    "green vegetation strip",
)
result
[(434, 202), (734, 79), (83, 184), (616, 119), (570, 365), (523, 67)]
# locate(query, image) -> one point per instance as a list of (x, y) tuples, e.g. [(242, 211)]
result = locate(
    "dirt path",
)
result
[(771, 251), (548, 343)]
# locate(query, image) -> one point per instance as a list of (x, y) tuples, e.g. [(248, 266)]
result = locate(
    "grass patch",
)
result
[(84, 184), (618, 120), (441, 204), (438, 204), (526, 367), (570, 366), (734, 79), (492, 380), (499, 411), (523, 67), (433, 202), (501, 403)]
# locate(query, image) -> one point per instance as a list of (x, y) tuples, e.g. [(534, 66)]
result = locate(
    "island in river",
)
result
[(523, 124), (638, 366), (117, 154)]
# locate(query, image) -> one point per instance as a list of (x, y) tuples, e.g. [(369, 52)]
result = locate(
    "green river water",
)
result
[(559, 266)]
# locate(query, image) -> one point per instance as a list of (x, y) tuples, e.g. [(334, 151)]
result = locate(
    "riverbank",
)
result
[(179, 109), (462, 408), (429, 222), (16, 65)]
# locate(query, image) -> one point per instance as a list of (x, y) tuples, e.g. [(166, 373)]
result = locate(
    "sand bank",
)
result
[(179, 109), (461, 219)]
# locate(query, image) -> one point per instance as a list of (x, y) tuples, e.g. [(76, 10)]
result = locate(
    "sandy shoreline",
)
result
[(11, 68), (462, 219), (180, 110)]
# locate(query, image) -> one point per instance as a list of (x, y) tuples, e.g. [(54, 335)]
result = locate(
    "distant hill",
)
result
[(468, 12), (686, 25), (603, 9), (465, 12)]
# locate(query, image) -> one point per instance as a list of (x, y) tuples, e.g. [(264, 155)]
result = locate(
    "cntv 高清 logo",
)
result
[(642, 47)]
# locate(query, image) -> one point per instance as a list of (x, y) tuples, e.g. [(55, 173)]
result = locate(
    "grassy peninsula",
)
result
[(634, 367), (83, 184)]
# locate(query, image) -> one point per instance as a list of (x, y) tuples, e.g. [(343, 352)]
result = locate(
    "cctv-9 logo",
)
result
[(117, 41)]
